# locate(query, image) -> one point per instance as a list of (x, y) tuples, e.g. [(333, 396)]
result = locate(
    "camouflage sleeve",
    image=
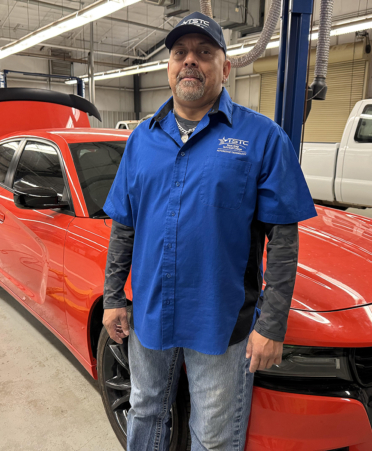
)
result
[(119, 260), (280, 276)]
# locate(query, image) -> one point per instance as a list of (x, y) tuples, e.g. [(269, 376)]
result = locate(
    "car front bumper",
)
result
[(283, 421)]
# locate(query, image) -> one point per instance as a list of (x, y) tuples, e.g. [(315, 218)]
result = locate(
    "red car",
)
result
[(55, 173)]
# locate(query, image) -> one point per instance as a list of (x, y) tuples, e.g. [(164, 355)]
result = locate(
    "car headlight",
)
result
[(303, 361)]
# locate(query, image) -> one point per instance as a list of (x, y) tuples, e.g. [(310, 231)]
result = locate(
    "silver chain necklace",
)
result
[(185, 133)]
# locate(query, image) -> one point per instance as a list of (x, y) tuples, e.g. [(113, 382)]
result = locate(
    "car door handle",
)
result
[(2, 217)]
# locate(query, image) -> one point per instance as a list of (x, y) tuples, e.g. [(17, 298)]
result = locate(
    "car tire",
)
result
[(114, 384)]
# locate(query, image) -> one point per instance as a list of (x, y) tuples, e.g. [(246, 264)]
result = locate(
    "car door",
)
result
[(35, 238), (356, 183)]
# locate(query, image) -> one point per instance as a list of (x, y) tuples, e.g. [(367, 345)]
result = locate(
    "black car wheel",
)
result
[(114, 383)]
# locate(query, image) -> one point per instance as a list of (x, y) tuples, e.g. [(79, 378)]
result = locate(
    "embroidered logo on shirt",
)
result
[(232, 145), (199, 22)]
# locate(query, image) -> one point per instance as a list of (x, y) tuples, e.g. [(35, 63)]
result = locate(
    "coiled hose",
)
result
[(265, 36), (319, 86)]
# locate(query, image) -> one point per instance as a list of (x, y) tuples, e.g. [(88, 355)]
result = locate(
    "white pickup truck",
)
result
[(340, 174)]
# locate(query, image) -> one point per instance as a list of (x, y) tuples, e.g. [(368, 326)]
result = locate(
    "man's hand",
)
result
[(264, 353), (116, 323)]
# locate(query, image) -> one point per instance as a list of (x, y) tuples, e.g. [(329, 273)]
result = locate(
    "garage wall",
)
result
[(154, 87), (247, 91), (347, 80)]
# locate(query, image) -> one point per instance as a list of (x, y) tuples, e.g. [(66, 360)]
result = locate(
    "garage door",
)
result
[(327, 119)]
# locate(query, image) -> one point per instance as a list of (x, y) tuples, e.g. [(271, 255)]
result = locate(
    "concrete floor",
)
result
[(47, 400)]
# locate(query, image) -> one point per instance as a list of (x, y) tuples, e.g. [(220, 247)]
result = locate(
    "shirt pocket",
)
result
[(223, 182)]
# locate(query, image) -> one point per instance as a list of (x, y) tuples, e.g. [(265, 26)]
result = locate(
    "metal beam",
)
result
[(296, 53), (137, 95), (69, 9)]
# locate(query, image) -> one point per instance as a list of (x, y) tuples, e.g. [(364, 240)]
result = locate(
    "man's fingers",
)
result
[(278, 360), (248, 352), (115, 335), (124, 326), (255, 362), (116, 324), (263, 363)]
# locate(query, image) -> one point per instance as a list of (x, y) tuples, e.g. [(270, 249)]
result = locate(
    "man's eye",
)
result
[(206, 52)]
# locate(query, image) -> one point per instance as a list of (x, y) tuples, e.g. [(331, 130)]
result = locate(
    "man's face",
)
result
[(196, 68)]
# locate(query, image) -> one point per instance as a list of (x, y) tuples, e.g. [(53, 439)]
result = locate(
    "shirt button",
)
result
[(183, 154), (173, 213), (168, 275), (167, 302), (177, 183), (169, 245)]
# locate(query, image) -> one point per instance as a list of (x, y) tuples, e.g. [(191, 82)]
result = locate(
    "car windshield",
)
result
[(132, 125), (96, 165)]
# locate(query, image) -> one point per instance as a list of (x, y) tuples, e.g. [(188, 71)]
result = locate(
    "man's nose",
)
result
[(191, 60)]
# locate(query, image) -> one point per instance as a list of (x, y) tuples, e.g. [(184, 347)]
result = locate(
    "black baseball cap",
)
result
[(196, 23)]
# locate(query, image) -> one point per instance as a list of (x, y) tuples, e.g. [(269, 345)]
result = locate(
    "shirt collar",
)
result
[(223, 105)]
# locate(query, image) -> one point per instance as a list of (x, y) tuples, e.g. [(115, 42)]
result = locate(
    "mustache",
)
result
[(190, 73)]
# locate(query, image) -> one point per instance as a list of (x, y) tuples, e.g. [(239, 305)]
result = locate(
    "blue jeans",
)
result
[(220, 393)]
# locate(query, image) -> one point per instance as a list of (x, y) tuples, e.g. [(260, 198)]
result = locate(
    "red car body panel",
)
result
[(54, 265), (31, 115), (294, 422)]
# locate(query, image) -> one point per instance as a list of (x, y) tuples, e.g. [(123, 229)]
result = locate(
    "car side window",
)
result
[(363, 133), (7, 150), (39, 166)]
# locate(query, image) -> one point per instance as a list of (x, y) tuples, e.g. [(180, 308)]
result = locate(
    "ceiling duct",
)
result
[(58, 65), (245, 16)]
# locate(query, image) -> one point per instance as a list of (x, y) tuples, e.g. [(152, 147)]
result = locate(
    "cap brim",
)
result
[(177, 32)]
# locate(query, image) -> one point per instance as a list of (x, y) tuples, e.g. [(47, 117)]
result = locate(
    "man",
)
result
[(199, 186)]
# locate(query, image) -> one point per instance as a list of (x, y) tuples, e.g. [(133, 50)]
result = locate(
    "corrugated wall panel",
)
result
[(327, 119)]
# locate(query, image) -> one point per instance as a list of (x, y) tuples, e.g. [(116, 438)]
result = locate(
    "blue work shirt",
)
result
[(192, 206)]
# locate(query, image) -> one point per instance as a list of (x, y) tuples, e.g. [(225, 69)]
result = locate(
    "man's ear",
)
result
[(226, 68)]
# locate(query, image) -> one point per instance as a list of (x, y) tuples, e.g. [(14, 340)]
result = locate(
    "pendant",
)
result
[(184, 138)]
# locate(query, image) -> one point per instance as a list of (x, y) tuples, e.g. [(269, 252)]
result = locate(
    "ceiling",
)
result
[(130, 33)]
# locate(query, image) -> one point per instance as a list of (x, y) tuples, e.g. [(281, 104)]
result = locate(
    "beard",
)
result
[(190, 90)]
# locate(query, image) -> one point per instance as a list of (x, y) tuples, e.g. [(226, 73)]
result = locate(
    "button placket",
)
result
[(169, 255)]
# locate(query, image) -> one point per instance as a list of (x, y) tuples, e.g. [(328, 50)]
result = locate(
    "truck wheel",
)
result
[(114, 384)]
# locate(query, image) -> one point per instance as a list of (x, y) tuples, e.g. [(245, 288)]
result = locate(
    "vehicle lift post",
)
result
[(292, 68)]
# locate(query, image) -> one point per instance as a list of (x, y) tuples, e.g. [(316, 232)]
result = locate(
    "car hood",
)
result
[(335, 262)]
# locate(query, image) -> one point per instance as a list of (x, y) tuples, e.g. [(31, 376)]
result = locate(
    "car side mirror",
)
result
[(36, 197)]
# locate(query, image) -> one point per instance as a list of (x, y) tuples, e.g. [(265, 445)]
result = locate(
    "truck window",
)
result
[(363, 133)]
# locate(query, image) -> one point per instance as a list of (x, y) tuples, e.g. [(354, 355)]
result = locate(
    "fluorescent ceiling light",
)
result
[(149, 67), (241, 50), (75, 20), (352, 28)]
